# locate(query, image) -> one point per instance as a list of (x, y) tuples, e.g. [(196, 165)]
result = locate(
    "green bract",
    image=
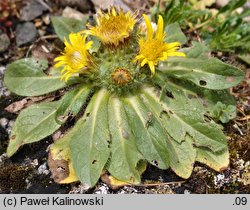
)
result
[(168, 120)]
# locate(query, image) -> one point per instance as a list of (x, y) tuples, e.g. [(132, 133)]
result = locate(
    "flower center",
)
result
[(152, 49), (76, 57), (121, 76)]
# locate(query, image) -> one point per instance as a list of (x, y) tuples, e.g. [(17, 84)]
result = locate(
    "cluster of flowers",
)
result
[(113, 29)]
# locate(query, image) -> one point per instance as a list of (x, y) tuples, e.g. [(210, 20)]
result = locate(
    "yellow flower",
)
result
[(153, 48), (75, 58), (113, 27)]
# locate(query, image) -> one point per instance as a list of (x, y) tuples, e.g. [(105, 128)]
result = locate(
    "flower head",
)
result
[(121, 76), (75, 58), (113, 27), (153, 48)]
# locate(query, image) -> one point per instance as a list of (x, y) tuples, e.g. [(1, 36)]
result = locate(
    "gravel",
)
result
[(4, 42), (32, 10), (25, 33)]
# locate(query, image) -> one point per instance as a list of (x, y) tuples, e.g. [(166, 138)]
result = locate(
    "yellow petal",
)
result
[(113, 12), (177, 54), (160, 28), (150, 30), (173, 44), (152, 67), (144, 62)]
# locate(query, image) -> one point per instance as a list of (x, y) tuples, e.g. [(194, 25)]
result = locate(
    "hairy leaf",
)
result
[(90, 140), (26, 77), (217, 161), (72, 102), (198, 50), (174, 34), (150, 137), (64, 26), (60, 158), (211, 73), (124, 153), (33, 124), (181, 116)]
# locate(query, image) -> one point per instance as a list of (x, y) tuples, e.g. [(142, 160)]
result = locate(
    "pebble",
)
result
[(3, 157), (4, 92), (32, 10), (72, 13), (42, 169), (102, 190), (104, 4), (221, 3), (4, 122), (82, 188), (4, 42), (187, 191), (25, 33)]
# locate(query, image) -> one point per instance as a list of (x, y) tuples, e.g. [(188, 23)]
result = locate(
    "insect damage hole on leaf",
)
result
[(169, 94), (203, 83)]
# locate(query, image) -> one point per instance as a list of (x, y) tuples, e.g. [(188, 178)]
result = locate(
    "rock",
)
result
[(3, 90), (25, 33), (104, 4), (4, 42), (81, 5), (32, 10), (42, 169), (72, 13), (221, 3)]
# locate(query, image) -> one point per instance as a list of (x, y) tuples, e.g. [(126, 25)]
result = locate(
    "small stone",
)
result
[(32, 10), (187, 191), (34, 162), (3, 90), (4, 42), (104, 4), (3, 157), (46, 19), (102, 189), (25, 33), (42, 169), (221, 3), (38, 23), (72, 13), (4, 122)]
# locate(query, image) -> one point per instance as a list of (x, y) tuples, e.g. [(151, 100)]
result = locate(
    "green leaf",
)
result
[(182, 156), (26, 77), (64, 26), (33, 124), (208, 98), (72, 102), (198, 50), (60, 157), (154, 141), (245, 58), (175, 34), (90, 140), (182, 117), (124, 153), (210, 73), (231, 6), (223, 112), (217, 161), (149, 135)]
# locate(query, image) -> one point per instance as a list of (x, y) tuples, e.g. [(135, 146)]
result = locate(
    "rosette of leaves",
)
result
[(164, 119)]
